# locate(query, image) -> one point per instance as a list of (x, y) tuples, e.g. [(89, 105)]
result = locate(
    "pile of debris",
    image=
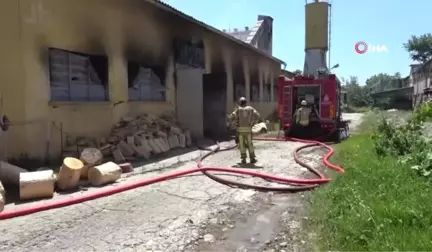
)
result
[(145, 135), (138, 137), (131, 138)]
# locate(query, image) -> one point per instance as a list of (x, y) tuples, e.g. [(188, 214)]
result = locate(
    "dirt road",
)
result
[(191, 213)]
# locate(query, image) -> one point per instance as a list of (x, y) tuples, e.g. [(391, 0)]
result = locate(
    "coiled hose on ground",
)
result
[(300, 184)]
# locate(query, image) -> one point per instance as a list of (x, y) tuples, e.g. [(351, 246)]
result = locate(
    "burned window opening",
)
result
[(275, 90), (77, 76), (255, 88), (189, 54), (146, 83), (267, 93), (239, 86)]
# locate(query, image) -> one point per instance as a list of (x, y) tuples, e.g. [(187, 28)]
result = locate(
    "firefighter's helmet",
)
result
[(303, 103), (242, 101)]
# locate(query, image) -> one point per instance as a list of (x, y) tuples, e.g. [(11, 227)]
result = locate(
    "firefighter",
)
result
[(302, 114), (245, 117)]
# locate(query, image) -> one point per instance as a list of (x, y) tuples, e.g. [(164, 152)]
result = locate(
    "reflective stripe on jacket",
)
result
[(245, 117)]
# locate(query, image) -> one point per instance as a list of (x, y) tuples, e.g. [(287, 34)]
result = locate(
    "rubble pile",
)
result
[(131, 138), (143, 136)]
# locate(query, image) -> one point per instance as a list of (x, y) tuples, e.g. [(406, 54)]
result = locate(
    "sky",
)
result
[(379, 23)]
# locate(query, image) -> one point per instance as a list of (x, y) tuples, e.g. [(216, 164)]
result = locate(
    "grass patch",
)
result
[(378, 204), (371, 119)]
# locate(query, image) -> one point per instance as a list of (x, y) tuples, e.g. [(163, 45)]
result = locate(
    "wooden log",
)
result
[(141, 151), (145, 144), (126, 149), (159, 142), (90, 157), (70, 173), (165, 144), (106, 150), (175, 130), (118, 156), (104, 173), (182, 140), (155, 147), (10, 174), (2, 197), (173, 141), (39, 184), (188, 138), (126, 167)]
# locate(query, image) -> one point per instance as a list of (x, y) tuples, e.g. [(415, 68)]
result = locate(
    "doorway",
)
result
[(214, 105), (189, 99)]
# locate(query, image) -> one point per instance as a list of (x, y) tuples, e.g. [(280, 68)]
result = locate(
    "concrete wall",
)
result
[(420, 78), (109, 27), (93, 27)]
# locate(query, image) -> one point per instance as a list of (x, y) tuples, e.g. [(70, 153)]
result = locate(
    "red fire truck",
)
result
[(323, 94)]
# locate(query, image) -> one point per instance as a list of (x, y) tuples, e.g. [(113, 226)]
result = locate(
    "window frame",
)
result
[(266, 92), (90, 65), (158, 71)]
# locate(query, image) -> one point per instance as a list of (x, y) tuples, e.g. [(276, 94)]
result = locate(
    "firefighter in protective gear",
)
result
[(302, 115), (245, 117)]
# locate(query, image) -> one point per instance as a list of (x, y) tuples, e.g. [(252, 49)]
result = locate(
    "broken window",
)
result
[(77, 77), (146, 83), (266, 92), (255, 89), (239, 85)]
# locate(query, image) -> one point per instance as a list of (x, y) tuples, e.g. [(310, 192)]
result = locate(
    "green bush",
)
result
[(406, 140)]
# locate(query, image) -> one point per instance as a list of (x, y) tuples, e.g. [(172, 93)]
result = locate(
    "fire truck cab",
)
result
[(323, 95)]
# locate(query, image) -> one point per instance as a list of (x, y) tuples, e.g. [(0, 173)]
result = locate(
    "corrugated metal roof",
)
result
[(167, 7), (241, 35)]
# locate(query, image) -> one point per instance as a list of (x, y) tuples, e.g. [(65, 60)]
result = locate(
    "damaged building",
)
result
[(259, 36), (74, 69)]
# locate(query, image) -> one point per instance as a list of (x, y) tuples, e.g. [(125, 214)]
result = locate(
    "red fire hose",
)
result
[(301, 184)]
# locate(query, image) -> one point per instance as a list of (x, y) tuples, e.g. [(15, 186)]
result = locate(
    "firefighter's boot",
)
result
[(253, 160), (243, 160)]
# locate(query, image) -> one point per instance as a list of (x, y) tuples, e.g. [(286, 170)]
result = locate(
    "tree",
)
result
[(298, 72), (420, 47), (382, 81), (358, 96)]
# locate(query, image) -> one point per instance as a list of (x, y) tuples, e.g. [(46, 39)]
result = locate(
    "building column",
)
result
[(207, 55), (272, 80), (117, 73), (227, 58), (246, 72), (170, 93), (261, 84)]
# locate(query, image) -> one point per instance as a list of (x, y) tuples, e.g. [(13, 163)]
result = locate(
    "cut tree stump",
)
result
[(90, 157), (39, 184), (70, 173), (2, 197), (104, 173)]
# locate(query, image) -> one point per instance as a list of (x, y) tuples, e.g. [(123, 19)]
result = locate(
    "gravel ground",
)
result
[(191, 213), (167, 216)]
